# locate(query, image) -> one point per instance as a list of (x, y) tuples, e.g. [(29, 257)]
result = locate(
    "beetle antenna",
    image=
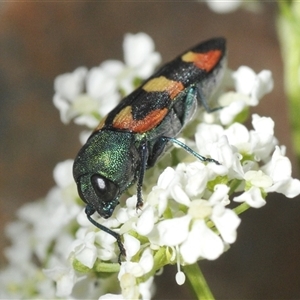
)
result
[(89, 210)]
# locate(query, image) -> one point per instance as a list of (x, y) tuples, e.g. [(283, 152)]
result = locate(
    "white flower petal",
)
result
[(258, 179), (223, 6), (201, 242), (158, 198), (132, 245), (238, 135), (264, 84), (196, 177), (220, 194), (87, 256), (85, 251), (244, 80), (166, 178), (63, 106), (226, 222), (112, 297), (69, 85), (291, 189), (252, 197), (207, 134), (230, 111), (84, 135), (255, 86), (263, 124), (173, 231), (146, 221), (147, 261), (129, 286), (65, 279), (179, 195), (62, 173), (281, 167), (262, 138), (107, 253), (99, 83), (113, 67), (222, 152), (137, 47), (148, 67), (147, 288), (200, 209), (88, 120)]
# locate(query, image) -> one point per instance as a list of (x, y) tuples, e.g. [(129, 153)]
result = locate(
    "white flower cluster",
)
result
[(228, 6), (87, 95), (185, 216)]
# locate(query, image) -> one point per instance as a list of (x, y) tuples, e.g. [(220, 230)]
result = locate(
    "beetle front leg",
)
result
[(144, 157)]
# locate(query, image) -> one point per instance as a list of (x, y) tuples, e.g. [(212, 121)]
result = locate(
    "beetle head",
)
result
[(104, 167)]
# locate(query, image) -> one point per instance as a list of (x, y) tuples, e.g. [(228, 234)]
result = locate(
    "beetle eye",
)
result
[(104, 188)]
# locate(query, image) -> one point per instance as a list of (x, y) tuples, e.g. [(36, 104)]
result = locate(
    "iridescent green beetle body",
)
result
[(134, 135)]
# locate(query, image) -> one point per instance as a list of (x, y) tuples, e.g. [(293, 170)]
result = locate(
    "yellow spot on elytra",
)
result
[(100, 125), (123, 118), (163, 84)]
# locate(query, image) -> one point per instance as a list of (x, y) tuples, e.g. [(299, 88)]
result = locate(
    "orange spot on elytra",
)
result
[(124, 120), (205, 61)]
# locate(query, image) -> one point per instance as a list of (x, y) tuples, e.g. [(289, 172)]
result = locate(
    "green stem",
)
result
[(234, 184), (241, 208), (198, 282), (288, 28)]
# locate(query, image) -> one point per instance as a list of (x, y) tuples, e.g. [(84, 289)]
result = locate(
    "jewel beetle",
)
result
[(135, 134)]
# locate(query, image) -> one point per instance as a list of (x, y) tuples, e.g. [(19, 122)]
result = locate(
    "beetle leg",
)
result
[(143, 166), (202, 100), (190, 150)]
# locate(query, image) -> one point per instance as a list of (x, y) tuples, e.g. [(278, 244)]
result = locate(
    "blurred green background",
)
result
[(40, 40)]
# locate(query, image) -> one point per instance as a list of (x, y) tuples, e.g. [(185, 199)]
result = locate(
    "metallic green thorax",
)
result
[(115, 155)]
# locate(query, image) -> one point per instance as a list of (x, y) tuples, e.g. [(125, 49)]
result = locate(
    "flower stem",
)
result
[(241, 208), (198, 282), (288, 28)]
